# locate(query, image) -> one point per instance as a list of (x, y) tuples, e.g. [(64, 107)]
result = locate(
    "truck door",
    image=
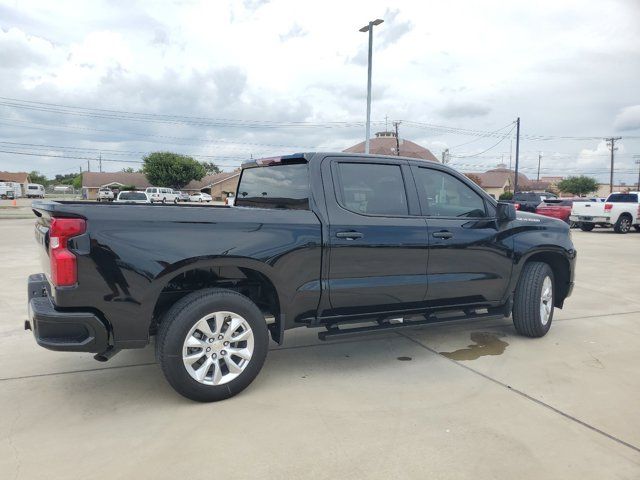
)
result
[(376, 237), (469, 260)]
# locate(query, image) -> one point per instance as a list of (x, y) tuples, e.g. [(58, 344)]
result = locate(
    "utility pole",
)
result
[(611, 143), (637, 157), (369, 28), (539, 159), (100, 162), (395, 124), (88, 166), (515, 182), (445, 156)]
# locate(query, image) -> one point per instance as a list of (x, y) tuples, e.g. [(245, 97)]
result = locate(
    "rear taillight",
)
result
[(64, 271), (608, 207), (517, 205)]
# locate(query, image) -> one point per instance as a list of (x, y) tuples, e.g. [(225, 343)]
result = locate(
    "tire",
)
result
[(164, 201), (200, 200), (175, 201), (182, 323), (587, 227), (637, 227), (623, 225), (534, 295)]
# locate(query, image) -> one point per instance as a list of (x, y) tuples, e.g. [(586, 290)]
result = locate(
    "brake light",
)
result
[(517, 205), (608, 207), (64, 271)]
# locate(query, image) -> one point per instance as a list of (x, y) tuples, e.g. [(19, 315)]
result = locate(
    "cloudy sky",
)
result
[(226, 80)]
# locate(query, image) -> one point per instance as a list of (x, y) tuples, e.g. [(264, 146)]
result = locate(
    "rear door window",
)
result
[(371, 188)]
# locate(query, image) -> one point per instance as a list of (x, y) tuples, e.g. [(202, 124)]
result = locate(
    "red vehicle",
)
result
[(559, 208)]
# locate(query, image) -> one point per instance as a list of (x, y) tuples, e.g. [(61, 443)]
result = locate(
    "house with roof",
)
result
[(94, 181), (385, 143), (501, 179), (218, 186), (21, 178)]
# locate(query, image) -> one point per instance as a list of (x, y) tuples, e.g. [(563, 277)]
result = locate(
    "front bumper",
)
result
[(61, 330)]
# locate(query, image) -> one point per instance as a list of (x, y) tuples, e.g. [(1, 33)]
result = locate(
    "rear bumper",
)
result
[(63, 331), (587, 219)]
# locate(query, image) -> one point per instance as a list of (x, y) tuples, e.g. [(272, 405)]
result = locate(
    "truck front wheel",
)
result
[(212, 344), (533, 300)]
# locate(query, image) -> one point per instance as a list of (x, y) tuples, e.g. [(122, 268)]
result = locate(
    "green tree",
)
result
[(77, 181), (66, 179), (211, 168), (506, 196), (581, 185), (37, 177), (128, 170), (167, 169)]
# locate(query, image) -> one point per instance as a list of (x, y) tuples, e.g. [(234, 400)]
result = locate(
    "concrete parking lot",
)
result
[(460, 400)]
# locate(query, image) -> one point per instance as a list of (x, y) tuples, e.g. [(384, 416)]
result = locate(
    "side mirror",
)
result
[(505, 212)]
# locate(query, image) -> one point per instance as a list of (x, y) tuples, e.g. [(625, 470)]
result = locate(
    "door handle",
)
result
[(443, 234), (349, 235)]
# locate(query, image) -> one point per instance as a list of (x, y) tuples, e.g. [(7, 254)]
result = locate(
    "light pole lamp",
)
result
[(369, 28)]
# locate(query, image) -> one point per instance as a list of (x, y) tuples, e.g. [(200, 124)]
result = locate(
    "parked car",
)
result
[(230, 200), (529, 201), (161, 195), (560, 208), (316, 240), (133, 197), (105, 194), (620, 210), (35, 190), (182, 196), (200, 197)]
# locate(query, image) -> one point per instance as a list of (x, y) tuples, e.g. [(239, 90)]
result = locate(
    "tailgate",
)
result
[(588, 209)]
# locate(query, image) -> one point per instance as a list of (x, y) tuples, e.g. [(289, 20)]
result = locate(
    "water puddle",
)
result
[(484, 344)]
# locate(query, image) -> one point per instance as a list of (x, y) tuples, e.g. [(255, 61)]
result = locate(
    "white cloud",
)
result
[(628, 118)]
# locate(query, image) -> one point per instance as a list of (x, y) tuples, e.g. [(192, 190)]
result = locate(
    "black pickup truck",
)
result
[(349, 243)]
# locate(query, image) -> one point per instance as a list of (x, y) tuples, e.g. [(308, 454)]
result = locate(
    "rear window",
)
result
[(279, 186), (623, 198), (132, 196), (32, 187)]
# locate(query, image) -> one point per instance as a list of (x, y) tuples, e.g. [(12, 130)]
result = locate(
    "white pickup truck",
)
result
[(620, 210)]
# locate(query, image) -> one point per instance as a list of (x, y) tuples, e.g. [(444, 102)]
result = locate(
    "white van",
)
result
[(35, 190), (161, 194)]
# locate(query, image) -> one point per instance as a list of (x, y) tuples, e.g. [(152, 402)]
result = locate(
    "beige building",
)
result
[(93, 181), (385, 143), (603, 189), (218, 186), (501, 179)]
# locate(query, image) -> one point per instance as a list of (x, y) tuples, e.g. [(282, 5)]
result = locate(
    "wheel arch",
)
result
[(251, 278), (561, 269)]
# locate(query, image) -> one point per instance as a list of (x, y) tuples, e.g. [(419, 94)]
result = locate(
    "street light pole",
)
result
[(369, 28), (637, 157)]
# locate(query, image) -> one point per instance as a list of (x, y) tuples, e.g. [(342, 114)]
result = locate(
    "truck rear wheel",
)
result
[(587, 227), (623, 225), (212, 344), (533, 302)]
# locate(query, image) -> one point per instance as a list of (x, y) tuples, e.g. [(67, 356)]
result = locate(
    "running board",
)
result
[(335, 331)]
